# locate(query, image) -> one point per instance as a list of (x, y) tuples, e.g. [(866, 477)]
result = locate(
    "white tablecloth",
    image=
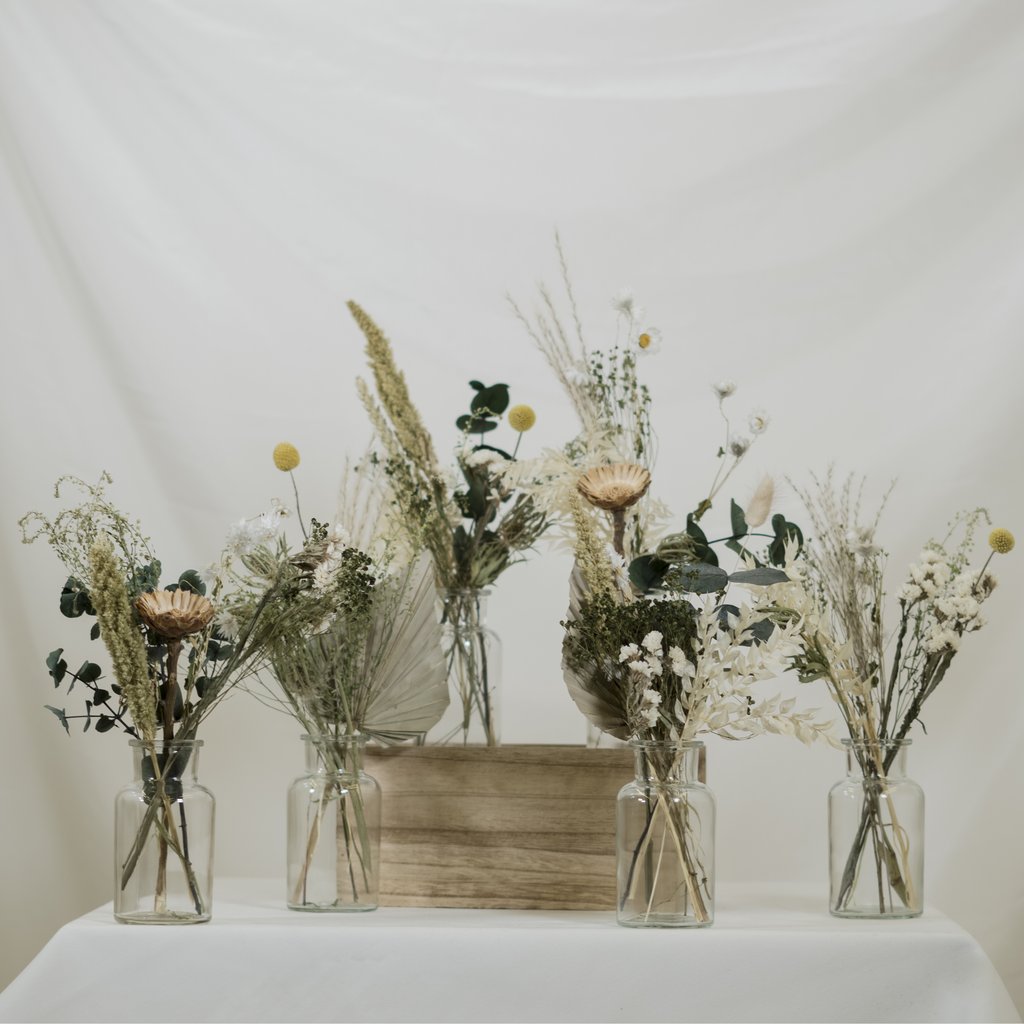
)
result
[(773, 954)]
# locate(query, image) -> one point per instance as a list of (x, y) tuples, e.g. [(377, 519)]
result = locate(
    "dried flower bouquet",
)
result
[(353, 643), (656, 648), (172, 666), (880, 680), (474, 525)]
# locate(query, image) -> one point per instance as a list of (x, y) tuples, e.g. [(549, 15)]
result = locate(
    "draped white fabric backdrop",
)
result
[(820, 199)]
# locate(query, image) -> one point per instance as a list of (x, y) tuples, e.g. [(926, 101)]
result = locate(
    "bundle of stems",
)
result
[(879, 680)]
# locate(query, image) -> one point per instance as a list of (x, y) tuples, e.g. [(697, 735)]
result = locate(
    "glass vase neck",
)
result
[(665, 763), (467, 606), (330, 752), (887, 758), (168, 758)]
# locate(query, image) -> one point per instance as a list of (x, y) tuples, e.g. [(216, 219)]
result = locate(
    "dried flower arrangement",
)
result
[(656, 649), (352, 642), (474, 526), (152, 634), (880, 680)]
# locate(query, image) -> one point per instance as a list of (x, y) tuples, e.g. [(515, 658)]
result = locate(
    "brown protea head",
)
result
[(615, 487), (173, 614)]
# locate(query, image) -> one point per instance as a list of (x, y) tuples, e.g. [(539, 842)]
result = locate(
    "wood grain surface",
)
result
[(523, 827)]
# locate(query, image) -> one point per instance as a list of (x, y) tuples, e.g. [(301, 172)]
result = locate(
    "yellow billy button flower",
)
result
[(286, 457), (1001, 541), (521, 418)]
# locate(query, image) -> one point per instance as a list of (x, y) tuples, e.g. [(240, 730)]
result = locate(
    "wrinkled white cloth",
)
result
[(773, 954)]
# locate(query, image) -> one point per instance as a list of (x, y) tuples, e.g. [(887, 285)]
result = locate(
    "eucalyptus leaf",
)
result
[(763, 577), (191, 580), (784, 531), (647, 572), (89, 672), (739, 520), (105, 723), (57, 665), (762, 630), (74, 599), (701, 548), (61, 716), (699, 578), (493, 400)]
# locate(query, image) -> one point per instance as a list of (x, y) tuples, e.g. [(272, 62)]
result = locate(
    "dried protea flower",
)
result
[(614, 488), (174, 614)]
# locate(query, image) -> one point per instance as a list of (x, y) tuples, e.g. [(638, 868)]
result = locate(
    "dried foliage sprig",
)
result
[(881, 679), (613, 405), (351, 637), (473, 528), (101, 547)]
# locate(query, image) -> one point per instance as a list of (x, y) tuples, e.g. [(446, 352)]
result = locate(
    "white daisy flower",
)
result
[(649, 341), (758, 421)]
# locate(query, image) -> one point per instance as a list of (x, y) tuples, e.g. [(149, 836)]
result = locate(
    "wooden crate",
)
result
[(516, 827)]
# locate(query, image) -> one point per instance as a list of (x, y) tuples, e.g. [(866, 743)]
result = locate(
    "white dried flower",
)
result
[(650, 716), (483, 457), (758, 421), (861, 541), (628, 652), (645, 668), (681, 665), (649, 341), (228, 624), (738, 445), (724, 388), (620, 571), (941, 640), (651, 697), (624, 302), (652, 642)]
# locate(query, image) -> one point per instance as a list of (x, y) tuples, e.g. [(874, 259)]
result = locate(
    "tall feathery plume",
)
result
[(590, 555), (394, 395), (122, 637)]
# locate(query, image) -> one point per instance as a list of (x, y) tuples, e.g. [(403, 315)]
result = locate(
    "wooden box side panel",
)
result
[(513, 827)]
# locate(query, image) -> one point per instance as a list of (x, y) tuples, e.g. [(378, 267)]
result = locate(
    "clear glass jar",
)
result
[(163, 837), (334, 829), (473, 659), (876, 834), (665, 831)]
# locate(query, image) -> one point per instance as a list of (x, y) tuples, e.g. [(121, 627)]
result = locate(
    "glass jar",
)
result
[(334, 829), (163, 837), (473, 660), (876, 834), (665, 832)]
